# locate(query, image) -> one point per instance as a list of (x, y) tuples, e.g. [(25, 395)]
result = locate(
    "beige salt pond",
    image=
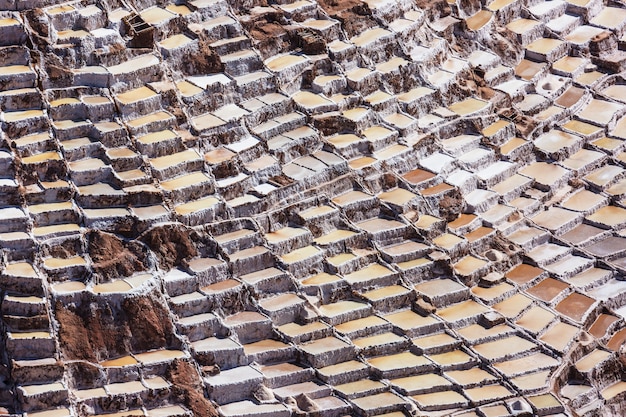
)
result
[(525, 364), (442, 399), (357, 388), (468, 265), (544, 46), (159, 356), (110, 287), (28, 335), (36, 389), (136, 95), (610, 18), (321, 279), (341, 307), (156, 15), (301, 254), (14, 70), (294, 330), (535, 319), (86, 394), (616, 91), (207, 121), (447, 241), (478, 20), (398, 361), (195, 206), (360, 163), (556, 140), (125, 387), (42, 157), (57, 228), (544, 173), (8, 21), (54, 263), (188, 89), (370, 36), (569, 64), (600, 111), (527, 70), (185, 181), (398, 196), (285, 61), (461, 311), (487, 393), (589, 78), (285, 233), (59, 412), (318, 24), (583, 34), (178, 9), (69, 287), (321, 346), (351, 197), (475, 332), (593, 359), (129, 413), (384, 400), (453, 358), (609, 216), (382, 339), (434, 341), (613, 390), (489, 294), (340, 259), (504, 347), (175, 41), (412, 264), (419, 383), (370, 272), (408, 319), (439, 287), (559, 336), (532, 382), (310, 100), (468, 106), (386, 292), (334, 236), (150, 118), (470, 377)]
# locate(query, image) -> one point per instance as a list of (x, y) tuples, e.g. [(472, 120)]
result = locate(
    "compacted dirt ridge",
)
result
[(312, 208)]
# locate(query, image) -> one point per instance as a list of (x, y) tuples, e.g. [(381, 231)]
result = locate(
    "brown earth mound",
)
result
[(354, 15), (451, 205), (171, 243), (187, 386), (112, 258), (97, 329)]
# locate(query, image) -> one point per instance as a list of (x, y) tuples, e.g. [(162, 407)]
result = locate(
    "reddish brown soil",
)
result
[(85, 375), (112, 258), (205, 61), (187, 386), (450, 206), (171, 243), (96, 330), (271, 38), (354, 15), (434, 7)]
